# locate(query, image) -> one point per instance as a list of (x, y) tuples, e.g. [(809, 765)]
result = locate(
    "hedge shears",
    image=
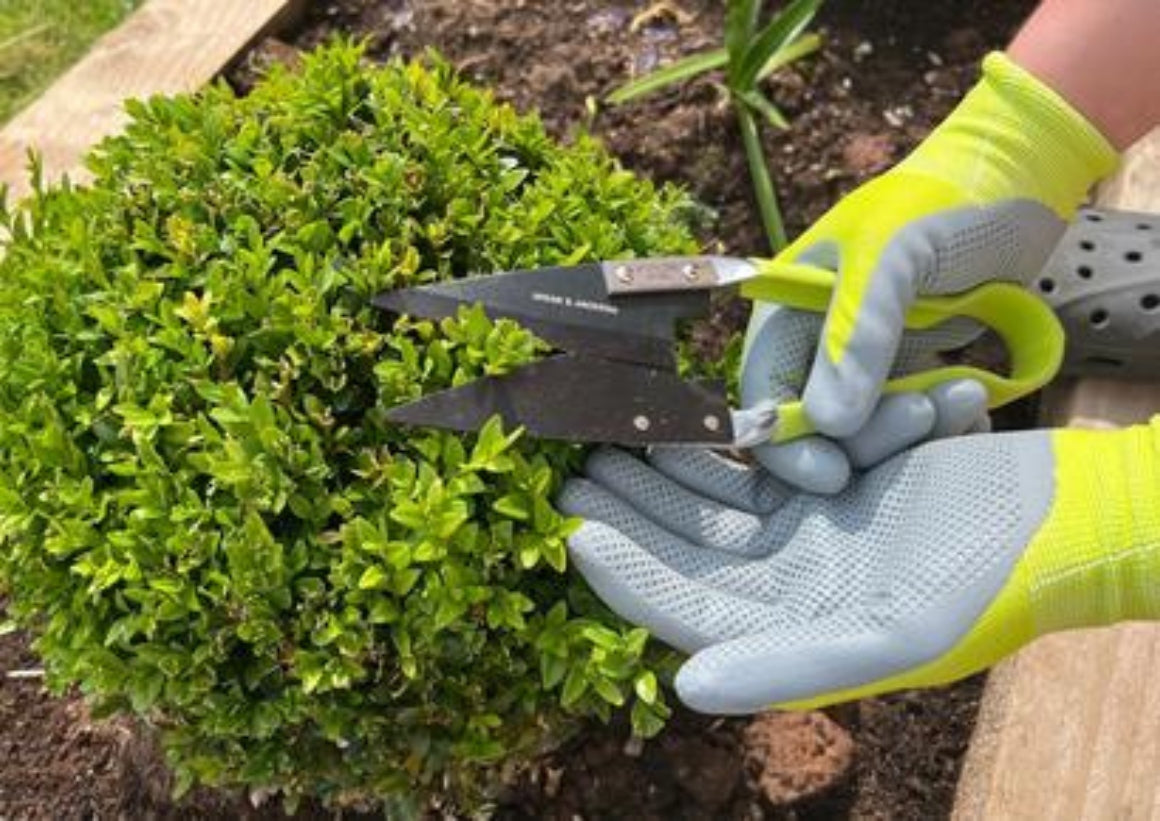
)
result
[(614, 378)]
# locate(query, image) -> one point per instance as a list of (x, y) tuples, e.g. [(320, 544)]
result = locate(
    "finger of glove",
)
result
[(810, 661), (960, 406), (860, 338), (721, 479), (900, 421), (684, 611), (672, 506), (813, 464), (780, 344)]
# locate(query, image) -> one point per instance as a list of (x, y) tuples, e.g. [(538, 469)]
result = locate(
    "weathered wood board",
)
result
[(165, 47), (1070, 727)]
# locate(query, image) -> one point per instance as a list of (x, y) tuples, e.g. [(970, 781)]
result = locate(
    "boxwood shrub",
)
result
[(206, 519)]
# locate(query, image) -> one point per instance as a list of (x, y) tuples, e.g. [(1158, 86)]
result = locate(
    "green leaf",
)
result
[(514, 506), (575, 686), (683, 69), (740, 23), (555, 553), (373, 578), (552, 670), (647, 720), (144, 691), (761, 104), (801, 47), (645, 686), (762, 180), (384, 611), (317, 236), (786, 26), (608, 691)]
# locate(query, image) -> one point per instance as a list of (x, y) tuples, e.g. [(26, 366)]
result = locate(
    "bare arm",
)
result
[(1103, 56)]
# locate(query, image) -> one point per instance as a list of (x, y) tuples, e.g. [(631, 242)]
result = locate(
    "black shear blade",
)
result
[(579, 399), (567, 306)]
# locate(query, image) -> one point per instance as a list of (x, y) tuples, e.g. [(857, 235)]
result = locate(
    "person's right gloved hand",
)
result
[(985, 197), (930, 567), (779, 346)]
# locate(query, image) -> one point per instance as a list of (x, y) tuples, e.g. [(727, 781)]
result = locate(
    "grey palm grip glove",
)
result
[(928, 568), (780, 345), (984, 198)]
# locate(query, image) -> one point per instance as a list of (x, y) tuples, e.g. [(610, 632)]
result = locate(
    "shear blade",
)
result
[(579, 399), (567, 306)]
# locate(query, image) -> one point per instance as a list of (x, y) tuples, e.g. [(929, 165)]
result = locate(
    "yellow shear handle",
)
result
[(1028, 327)]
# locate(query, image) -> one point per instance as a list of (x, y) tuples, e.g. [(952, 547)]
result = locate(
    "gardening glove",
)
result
[(779, 346), (985, 197), (934, 565)]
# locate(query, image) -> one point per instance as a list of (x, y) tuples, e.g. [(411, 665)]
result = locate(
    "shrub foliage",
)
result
[(204, 515)]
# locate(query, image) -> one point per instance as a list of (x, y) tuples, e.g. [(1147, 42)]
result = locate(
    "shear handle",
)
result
[(1028, 328)]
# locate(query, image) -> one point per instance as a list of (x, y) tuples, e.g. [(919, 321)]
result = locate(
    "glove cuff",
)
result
[(1013, 137), (1096, 560)]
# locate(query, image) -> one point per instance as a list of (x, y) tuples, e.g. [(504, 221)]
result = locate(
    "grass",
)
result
[(39, 39)]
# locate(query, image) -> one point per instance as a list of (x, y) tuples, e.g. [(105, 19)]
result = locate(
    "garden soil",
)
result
[(888, 72)]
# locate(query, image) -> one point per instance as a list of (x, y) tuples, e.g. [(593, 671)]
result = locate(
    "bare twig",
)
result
[(25, 674)]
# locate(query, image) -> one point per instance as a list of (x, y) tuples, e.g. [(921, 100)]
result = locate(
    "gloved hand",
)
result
[(932, 566), (986, 197), (779, 346)]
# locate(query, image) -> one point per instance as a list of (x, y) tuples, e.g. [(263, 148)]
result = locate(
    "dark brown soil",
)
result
[(889, 71)]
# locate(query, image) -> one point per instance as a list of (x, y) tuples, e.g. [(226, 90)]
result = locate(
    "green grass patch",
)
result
[(39, 39)]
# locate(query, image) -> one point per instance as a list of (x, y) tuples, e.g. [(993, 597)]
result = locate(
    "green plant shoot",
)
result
[(751, 53)]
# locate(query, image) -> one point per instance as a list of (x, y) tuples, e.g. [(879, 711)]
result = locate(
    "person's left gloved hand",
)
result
[(780, 346), (928, 568)]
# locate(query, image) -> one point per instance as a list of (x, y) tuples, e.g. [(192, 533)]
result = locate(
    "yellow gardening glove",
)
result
[(985, 197), (928, 568)]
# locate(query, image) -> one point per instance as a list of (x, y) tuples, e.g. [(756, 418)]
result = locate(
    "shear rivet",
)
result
[(690, 272), (712, 423), (641, 423), (623, 274)]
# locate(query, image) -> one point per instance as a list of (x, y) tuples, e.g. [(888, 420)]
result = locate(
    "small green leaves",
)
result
[(204, 511), (489, 453)]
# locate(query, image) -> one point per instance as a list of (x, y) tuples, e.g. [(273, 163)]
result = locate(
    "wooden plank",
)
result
[(1070, 727), (165, 47)]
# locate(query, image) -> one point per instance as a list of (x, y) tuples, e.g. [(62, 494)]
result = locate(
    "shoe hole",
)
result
[(1150, 302), (1133, 256), (1143, 226), (1084, 272), (1047, 285), (1087, 245), (1093, 217), (1099, 318), (1104, 361)]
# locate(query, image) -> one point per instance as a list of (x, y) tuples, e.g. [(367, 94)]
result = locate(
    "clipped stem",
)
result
[(762, 181)]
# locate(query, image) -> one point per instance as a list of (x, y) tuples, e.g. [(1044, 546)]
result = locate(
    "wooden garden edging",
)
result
[(1070, 727), (165, 47)]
